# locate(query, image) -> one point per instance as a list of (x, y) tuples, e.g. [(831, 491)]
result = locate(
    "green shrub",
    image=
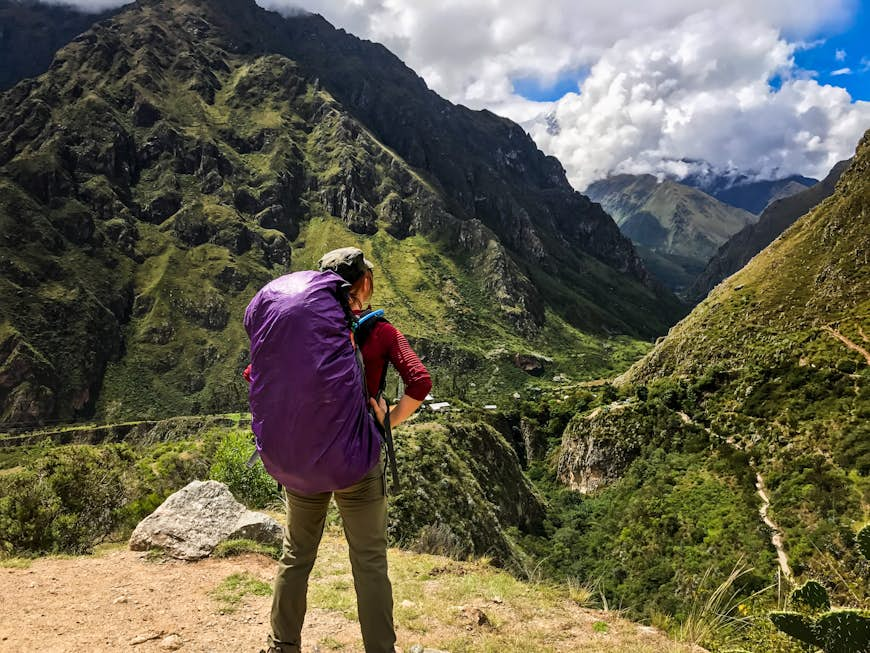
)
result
[(69, 500), (250, 485)]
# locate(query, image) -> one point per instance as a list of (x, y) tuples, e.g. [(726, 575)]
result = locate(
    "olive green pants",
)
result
[(363, 509)]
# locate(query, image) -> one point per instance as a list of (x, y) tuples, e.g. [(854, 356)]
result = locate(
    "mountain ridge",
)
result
[(746, 192), (749, 241)]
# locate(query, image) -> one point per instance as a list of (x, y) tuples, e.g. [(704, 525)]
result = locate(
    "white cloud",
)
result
[(701, 92), (841, 71), (840, 55)]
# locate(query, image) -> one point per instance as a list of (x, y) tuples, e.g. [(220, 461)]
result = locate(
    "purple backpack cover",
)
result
[(309, 410)]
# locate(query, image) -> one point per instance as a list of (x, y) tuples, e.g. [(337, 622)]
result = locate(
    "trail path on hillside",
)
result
[(119, 600), (851, 345), (776, 531)]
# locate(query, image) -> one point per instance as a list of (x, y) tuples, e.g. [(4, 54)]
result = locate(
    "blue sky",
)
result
[(841, 50), (533, 89)]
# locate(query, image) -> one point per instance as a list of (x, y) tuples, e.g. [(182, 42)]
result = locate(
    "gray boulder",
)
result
[(194, 520)]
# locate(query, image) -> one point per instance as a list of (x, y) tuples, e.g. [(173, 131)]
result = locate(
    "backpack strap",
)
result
[(365, 324), (363, 328)]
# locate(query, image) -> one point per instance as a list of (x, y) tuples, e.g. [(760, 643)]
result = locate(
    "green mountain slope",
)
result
[(746, 243), (173, 159), (675, 227), (767, 381)]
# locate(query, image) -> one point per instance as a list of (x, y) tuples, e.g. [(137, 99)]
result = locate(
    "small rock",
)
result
[(497, 599), (171, 643), (120, 599), (141, 639), (407, 604), (418, 648), (476, 616)]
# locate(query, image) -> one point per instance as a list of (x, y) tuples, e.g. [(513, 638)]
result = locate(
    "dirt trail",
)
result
[(776, 536), (851, 345), (776, 531), (120, 600)]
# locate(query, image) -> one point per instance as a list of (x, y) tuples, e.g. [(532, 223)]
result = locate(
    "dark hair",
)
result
[(357, 286)]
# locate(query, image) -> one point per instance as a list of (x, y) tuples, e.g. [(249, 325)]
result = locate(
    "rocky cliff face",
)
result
[(177, 156), (466, 491), (753, 238)]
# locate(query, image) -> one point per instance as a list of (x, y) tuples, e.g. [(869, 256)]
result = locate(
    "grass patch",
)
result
[(235, 587), (231, 548)]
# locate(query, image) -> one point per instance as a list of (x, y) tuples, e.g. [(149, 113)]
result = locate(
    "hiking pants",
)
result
[(363, 508)]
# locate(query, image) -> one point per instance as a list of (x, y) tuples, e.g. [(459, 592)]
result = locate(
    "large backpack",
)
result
[(309, 407)]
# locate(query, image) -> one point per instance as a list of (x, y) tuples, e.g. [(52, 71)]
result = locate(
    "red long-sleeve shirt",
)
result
[(386, 345)]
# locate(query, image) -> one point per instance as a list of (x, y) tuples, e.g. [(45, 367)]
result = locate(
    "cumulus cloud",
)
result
[(664, 82), (840, 55), (841, 71), (658, 101)]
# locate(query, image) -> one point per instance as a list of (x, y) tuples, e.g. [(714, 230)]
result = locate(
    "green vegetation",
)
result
[(235, 587), (249, 484), (230, 548), (67, 499), (814, 622), (673, 505)]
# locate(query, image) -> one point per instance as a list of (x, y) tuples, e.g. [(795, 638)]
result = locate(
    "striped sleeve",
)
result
[(414, 374)]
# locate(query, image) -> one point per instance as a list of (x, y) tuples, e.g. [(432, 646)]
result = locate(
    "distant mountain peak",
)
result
[(676, 228)]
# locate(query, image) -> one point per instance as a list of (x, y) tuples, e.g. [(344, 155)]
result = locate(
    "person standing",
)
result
[(362, 505)]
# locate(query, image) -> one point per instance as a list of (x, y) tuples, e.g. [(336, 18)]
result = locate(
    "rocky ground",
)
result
[(121, 600)]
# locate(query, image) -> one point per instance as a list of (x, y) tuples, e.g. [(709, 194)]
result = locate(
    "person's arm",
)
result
[(398, 413), (414, 375)]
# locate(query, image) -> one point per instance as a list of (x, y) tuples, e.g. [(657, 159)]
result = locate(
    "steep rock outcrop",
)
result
[(467, 489)]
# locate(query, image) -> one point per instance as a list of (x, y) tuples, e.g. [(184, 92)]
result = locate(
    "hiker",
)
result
[(361, 503)]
